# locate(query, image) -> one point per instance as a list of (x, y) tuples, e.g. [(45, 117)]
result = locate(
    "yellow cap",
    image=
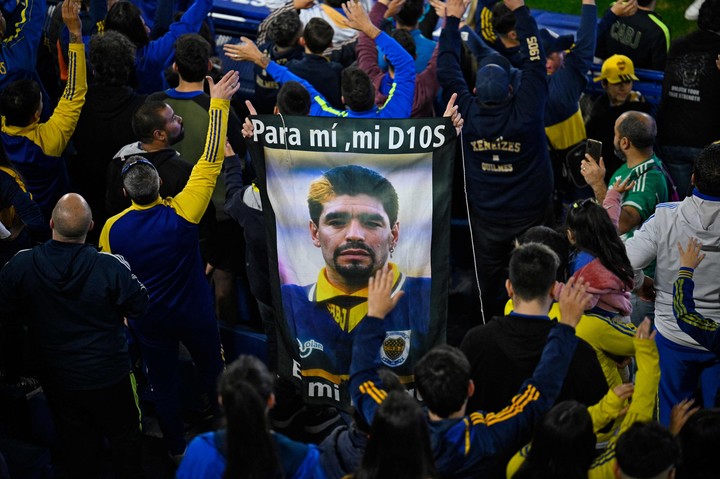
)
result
[(616, 69)]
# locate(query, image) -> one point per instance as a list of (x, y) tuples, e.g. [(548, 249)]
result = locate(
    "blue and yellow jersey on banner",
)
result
[(323, 321)]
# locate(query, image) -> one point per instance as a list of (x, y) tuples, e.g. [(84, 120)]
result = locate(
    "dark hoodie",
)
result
[(509, 176), (73, 300), (342, 451), (104, 126)]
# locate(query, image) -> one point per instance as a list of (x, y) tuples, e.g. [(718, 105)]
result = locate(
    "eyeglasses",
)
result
[(129, 164)]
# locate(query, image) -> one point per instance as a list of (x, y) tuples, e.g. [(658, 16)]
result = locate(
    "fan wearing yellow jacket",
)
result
[(593, 419)]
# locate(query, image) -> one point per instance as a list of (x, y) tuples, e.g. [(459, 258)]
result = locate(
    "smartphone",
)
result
[(594, 149)]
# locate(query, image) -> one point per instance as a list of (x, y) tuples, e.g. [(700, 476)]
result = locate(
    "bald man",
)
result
[(635, 134), (73, 301)]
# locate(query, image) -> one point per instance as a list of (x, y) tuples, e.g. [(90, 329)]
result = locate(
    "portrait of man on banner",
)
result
[(350, 227), (370, 195)]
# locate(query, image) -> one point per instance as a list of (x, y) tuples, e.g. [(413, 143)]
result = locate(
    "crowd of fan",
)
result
[(597, 265)]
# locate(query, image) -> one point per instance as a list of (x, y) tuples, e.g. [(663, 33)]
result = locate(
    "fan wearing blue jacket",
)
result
[(153, 57), (465, 444), (509, 175)]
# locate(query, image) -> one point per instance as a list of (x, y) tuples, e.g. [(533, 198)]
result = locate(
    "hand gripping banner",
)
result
[(342, 198)]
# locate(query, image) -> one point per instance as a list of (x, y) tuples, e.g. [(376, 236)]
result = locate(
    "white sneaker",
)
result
[(693, 11)]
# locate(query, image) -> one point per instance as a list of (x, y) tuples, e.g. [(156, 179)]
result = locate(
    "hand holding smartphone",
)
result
[(594, 149)]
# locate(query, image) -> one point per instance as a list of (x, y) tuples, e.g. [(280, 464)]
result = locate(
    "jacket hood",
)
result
[(706, 212), (64, 267), (157, 158), (606, 289), (130, 150), (109, 102)]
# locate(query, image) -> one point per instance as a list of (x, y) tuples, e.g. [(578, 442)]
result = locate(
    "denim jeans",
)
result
[(680, 161)]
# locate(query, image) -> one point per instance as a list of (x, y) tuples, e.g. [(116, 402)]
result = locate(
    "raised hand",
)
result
[(71, 17), (226, 87), (691, 257), (455, 8), (246, 50), (680, 413), (394, 6), (440, 8), (644, 331), (624, 185), (624, 391), (248, 129), (624, 8), (574, 300), (357, 18), (451, 111), (592, 171), (380, 301), (303, 4)]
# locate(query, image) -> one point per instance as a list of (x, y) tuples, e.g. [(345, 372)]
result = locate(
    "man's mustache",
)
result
[(356, 246)]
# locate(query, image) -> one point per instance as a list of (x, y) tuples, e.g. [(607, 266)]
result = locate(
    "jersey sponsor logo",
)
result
[(396, 348), (319, 389), (308, 346)]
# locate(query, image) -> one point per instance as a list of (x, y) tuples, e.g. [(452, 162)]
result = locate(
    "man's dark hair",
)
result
[(124, 17), (19, 102), (318, 35), (112, 56), (192, 53), (141, 180), (644, 3), (554, 240), (533, 268), (707, 170), (357, 89), (147, 119), (406, 40), (646, 449), (503, 19), (285, 29), (699, 438), (352, 180), (442, 377), (709, 18), (293, 99), (410, 13), (639, 128)]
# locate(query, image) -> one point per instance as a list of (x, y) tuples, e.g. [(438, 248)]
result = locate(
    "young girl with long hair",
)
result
[(600, 258), (246, 447), (399, 444)]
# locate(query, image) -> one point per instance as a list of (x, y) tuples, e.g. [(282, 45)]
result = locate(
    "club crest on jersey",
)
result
[(395, 348), (307, 347)]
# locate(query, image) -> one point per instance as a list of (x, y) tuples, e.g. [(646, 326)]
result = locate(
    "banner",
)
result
[(342, 198)]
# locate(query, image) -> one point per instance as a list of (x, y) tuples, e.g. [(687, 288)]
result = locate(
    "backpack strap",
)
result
[(672, 189)]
